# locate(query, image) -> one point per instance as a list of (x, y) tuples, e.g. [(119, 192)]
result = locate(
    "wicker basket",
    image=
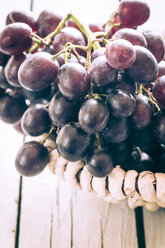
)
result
[(140, 189)]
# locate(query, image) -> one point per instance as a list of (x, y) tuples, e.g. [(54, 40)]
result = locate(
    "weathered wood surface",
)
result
[(52, 213)]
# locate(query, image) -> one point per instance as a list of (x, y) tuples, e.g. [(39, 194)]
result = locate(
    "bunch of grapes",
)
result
[(97, 92)]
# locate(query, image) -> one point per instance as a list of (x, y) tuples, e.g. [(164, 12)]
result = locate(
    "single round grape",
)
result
[(47, 22), (72, 142), (120, 54), (31, 159), (73, 80), (24, 16), (11, 69), (158, 126), (101, 73), (155, 44), (145, 67), (12, 108), (38, 71), (133, 12), (15, 38), (161, 67), (143, 113), (96, 27), (93, 115), (140, 162), (100, 163), (116, 130), (97, 53), (68, 34), (36, 121), (3, 59), (158, 90), (121, 103), (132, 35), (62, 110)]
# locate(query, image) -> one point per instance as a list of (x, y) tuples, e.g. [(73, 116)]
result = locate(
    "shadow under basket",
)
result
[(140, 189)]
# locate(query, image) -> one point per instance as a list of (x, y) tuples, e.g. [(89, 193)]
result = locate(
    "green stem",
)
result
[(47, 135), (98, 142)]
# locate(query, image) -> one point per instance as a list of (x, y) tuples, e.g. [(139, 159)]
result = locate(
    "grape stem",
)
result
[(98, 141), (47, 135)]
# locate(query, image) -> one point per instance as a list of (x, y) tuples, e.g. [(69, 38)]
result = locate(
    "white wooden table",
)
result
[(43, 212)]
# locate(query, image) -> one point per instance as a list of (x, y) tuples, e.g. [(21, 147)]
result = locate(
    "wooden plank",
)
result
[(87, 221), (36, 209), (154, 223), (9, 184)]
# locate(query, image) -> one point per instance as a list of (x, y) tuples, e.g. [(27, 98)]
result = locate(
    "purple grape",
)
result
[(72, 142), (121, 103), (132, 35), (24, 16), (93, 115), (145, 67), (158, 126), (133, 12), (101, 73), (155, 44), (97, 53), (143, 113), (15, 38), (100, 163), (120, 54), (73, 80), (11, 69), (36, 121), (38, 71), (31, 159), (158, 90)]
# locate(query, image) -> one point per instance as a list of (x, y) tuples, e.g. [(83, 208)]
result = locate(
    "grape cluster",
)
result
[(97, 91)]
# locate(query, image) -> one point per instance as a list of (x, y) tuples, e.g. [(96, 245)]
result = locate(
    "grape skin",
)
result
[(158, 90), (31, 159), (38, 71), (120, 54)]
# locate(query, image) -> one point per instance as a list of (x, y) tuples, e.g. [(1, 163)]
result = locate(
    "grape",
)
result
[(121, 103), (155, 44), (82, 61), (116, 130), (24, 16), (15, 38), (123, 82), (3, 59), (145, 67), (133, 12), (62, 110), (73, 80), (96, 27), (93, 115), (61, 60), (12, 107), (158, 90), (161, 67), (120, 54), (140, 162), (3, 81), (72, 142), (158, 126), (47, 22), (31, 159), (36, 121), (100, 163), (97, 53), (132, 35), (143, 114), (101, 73), (68, 34), (11, 69), (38, 71)]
